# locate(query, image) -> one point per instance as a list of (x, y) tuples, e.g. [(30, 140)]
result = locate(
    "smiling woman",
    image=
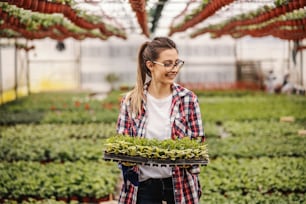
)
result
[(160, 109)]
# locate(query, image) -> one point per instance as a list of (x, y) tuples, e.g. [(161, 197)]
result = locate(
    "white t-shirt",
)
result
[(158, 126)]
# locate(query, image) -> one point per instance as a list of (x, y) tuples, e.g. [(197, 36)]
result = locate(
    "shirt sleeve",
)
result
[(194, 118), (123, 124)]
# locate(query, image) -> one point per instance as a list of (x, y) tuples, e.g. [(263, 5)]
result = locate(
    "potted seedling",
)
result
[(112, 78)]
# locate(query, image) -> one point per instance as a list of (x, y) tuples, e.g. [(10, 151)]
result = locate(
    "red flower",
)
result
[(87, 107), (77, 104)]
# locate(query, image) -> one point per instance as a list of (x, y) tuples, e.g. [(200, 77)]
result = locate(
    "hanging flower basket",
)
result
[(20, 2), (295, 4), (41, 6), (48, 8), (27, 4), (34, 5)]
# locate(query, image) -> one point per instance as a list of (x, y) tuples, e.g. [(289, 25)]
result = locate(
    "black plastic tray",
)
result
[(153, 162)]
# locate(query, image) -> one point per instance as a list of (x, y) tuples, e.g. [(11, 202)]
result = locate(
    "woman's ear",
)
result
[(149, 65)]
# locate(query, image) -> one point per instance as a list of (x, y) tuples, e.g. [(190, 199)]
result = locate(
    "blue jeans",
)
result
[(154, 191)]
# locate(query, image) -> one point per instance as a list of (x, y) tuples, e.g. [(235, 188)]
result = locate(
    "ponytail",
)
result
[(136, 95)]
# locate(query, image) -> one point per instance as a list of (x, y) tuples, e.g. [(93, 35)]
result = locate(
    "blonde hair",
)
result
[(149, 51)]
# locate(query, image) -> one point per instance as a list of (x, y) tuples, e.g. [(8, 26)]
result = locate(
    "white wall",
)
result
[(87, 62), (274, 54), (51, 69), (8, 65), (112, 56), (205, 60)]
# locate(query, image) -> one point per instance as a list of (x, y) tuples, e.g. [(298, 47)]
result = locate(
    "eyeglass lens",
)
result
[(178, 64)]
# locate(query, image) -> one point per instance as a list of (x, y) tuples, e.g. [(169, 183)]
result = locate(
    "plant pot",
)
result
[(62, 199), (59, 8), (34, 5), (11, 20), (20, 2), (41, 6), (284, 8), (86, 200), (296, 4), (48, 7), (70, 14), (53, 8), (73, 198), (27, 4), (99, 200), (290, 5)]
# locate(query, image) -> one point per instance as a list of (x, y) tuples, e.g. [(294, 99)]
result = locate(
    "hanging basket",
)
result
[(41, 6)]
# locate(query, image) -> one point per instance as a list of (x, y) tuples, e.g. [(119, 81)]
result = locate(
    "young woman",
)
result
[(160, 108)]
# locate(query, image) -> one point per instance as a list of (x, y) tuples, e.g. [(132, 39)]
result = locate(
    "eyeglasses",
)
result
[(170, 65)]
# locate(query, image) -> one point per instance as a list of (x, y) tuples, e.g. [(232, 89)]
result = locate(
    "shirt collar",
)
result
[(177, 90)]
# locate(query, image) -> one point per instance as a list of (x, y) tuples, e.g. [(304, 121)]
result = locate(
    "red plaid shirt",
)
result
[(185, 120)]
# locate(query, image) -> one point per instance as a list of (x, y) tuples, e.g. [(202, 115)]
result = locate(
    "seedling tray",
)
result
[(153, 162)]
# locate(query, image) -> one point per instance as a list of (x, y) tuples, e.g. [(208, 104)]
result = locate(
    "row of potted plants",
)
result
[(260, 160), (8, 33), (258, 16), (260, 180), (261, 18), (66, 108), (203, 11), (285, 33), (78, 116), (84, 182), (58, 142), (90, 131), (243, 179), (77, 181), (29, 23), (294, 20), (60, 108), (246, 108), (78, 17)]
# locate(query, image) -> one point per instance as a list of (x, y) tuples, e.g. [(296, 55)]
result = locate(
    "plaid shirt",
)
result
[(185, 120)]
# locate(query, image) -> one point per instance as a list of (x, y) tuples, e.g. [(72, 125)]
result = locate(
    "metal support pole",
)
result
[(236, 59), (301, 64), (15, 69), (28, 71), (79, 71), (1, 88), (289, 57)]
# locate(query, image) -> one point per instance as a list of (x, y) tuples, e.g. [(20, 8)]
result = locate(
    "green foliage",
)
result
[(184, 148), (59, 180), (250, 108), (69, 108), (112, 78), (52, 142), (260, 160), (256, 139), (232, 180)]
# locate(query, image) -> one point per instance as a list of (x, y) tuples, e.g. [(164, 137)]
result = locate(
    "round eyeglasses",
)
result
[(170, 65)]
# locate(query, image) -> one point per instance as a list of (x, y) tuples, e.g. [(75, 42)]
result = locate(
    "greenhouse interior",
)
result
[(65, 66)]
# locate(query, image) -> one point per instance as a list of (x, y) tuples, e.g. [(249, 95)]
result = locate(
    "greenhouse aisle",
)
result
[(65, 66), (52, 144)]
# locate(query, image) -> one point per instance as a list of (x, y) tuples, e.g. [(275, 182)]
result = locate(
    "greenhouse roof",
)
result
[(80, 19)]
